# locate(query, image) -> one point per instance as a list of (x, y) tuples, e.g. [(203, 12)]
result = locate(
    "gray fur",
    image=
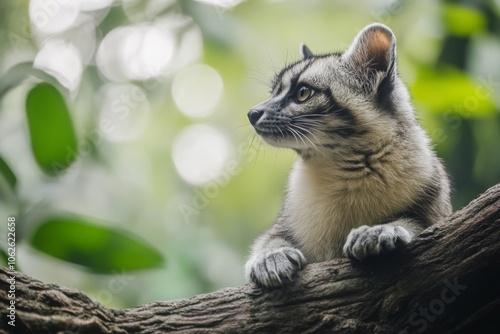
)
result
[(366, 181)]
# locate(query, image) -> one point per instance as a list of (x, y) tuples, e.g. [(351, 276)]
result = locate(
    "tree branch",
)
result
[(446, 281)]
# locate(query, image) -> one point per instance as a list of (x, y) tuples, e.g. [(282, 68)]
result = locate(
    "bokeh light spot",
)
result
[(90, 5), (50, 17), (138, 52), (226, 4), (148, 50), (197, 90), (190, 49), (200, 153), (61, 60)]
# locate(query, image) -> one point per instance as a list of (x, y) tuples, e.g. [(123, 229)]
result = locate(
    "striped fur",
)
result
[(367, 180)]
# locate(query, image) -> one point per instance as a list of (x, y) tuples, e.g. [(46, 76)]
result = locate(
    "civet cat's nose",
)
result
[(254, 115)]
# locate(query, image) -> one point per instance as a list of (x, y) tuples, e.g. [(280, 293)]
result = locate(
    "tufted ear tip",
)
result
[(305, 52)]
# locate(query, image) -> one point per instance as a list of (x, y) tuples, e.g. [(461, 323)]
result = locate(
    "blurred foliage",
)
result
[(94, 246), (463, 20), (439, 88), (53, 138), (7, 174), (89, 127)]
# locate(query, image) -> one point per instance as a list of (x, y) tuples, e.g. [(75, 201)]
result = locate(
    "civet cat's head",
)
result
[(352, 98)]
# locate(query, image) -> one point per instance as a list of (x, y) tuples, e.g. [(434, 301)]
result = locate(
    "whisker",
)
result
[(304, 136), (294, 134), (306, 130), (260, 78), (310, 116), (251, 143), (257, 155), (256, 147), (308, 126), (239, 127), (307, 122), (314, 117), (282, 134), (298, 134)]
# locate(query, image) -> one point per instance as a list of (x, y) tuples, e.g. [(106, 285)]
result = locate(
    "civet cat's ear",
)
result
[(305, 52), (374, 48)]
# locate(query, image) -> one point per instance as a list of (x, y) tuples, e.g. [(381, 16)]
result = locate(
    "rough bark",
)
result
[(446, 281)]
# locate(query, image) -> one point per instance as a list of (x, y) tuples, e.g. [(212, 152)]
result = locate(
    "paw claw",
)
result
[(366, 241), (277, 268)]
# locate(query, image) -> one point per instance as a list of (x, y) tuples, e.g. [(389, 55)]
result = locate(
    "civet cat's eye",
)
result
[(304, 93)]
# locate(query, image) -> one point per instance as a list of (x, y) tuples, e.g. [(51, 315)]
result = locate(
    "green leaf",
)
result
[(447, 89), (101, 249), (53, 139), (463, 20), (7, 174)]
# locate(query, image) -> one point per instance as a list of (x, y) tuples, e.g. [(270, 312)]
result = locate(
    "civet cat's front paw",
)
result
[(276, 268), (373, 240)]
